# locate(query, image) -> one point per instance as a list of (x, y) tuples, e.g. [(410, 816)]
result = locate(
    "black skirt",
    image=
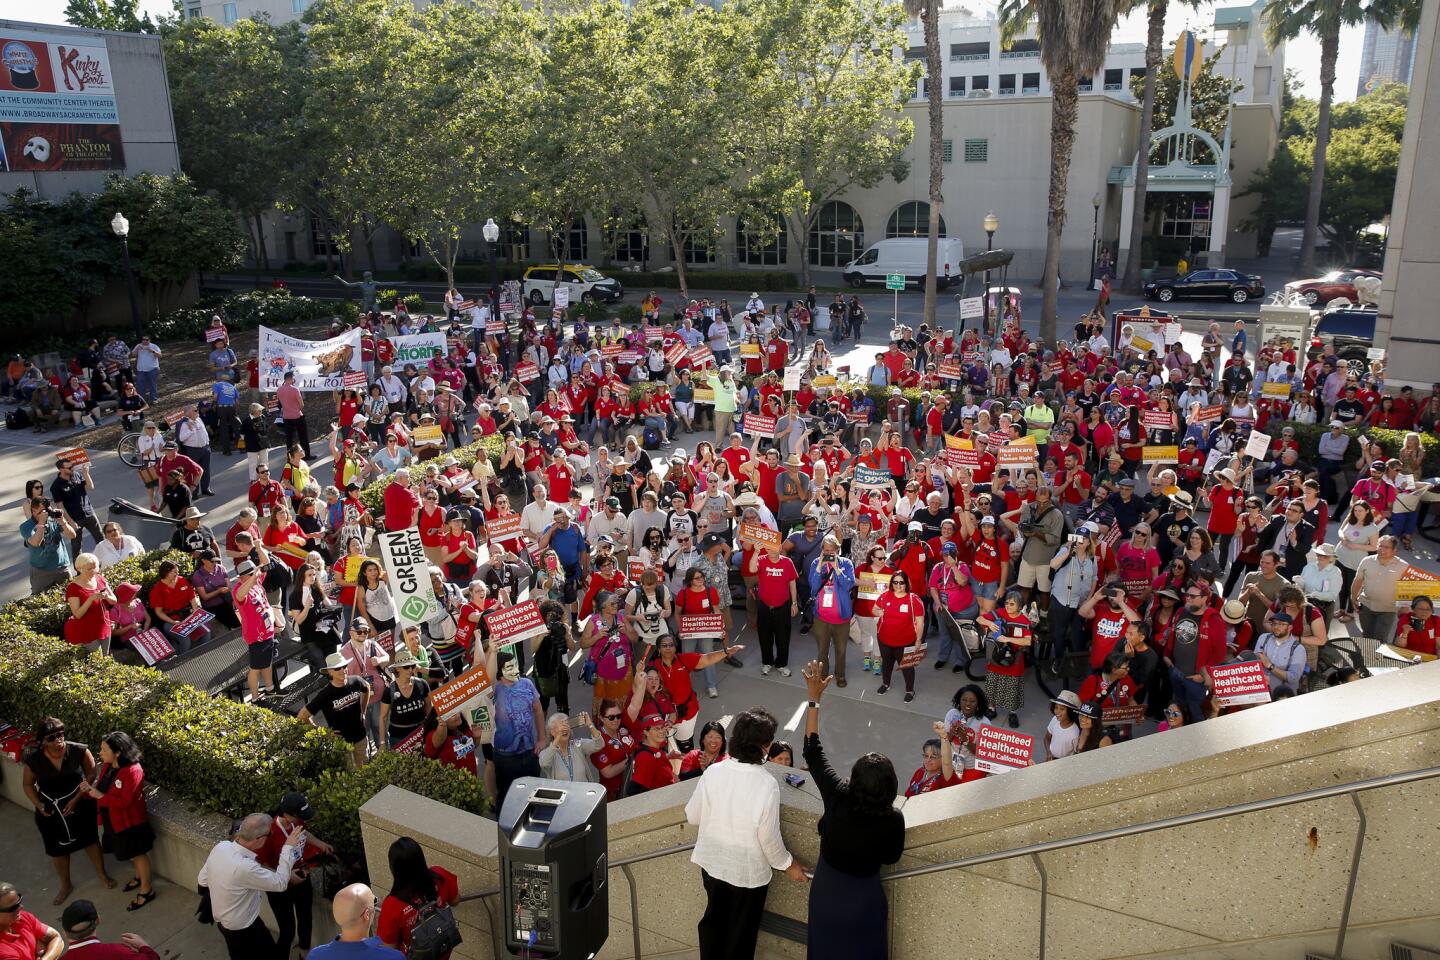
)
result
[(66, 835), (131, 842), (849, 916)]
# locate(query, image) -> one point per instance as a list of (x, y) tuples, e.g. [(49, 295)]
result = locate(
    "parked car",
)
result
[(1229, 284), (908, 256), (584, 283), (1335, 285), (1351, 332)]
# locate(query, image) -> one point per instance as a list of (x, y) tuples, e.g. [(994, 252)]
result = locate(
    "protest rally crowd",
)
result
[(1124, 516)]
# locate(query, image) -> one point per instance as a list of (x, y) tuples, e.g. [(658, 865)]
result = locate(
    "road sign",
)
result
[(894, 281)]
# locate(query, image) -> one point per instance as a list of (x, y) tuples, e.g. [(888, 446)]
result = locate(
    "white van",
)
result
[(906, 255)]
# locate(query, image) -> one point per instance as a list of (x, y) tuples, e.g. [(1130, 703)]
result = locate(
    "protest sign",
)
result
[(1157, 420), (997, 438), (174, 417), (495, 328), (562, 297), (1159, 454), (1213, 459), (912, 655), (386, 640), (427, 434), (514, 624), (871, 585), (527, 371), (1206, 414), (998, 750), (675, 352), (872, 478), (972, 308), (1257, 445), (418, 348), (215, 334), (702, 626), (1129, 713), (949, 370), (318, 365), (759, 536), (635, 569), (759, 425), (503, 528), (407, 571), (749, 349), (858, 416), (1273, 389), (792, 378), (651, 334), (629, 358), (1239, 683), (970, 356), (1112, 535), (700, 356), (823, 380), (1375, 353), (1015, 455), (957, 457), (75, 456), (705, 395), (612, 350), (1141, 344), (352, 567), (462, 693), (412, 743), (152, 645), (193, 623), (1415, 582), (353, 380)]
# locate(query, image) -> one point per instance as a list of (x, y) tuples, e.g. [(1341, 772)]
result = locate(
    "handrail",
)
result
[(1034, 850)]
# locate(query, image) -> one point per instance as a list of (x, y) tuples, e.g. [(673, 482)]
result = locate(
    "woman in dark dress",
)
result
[(56, 774), (860, 831)]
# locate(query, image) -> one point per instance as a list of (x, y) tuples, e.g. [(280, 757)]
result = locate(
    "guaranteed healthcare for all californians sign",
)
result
[(407, 569), (319, 365)]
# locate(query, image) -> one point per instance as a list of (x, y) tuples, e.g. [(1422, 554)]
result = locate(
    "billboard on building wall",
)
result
[(57, 104)]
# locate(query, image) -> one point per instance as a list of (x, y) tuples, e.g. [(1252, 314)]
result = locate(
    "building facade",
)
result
[(1385, 56), (77, 105)]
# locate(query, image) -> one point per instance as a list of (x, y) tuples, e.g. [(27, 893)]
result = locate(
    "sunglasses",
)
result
[(611, 716), (55, 736), (14, 907)]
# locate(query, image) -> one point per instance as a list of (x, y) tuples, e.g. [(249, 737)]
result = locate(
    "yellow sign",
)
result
[(1141, 344), (1271, 389), (749, 349), (1160, 454), (823, 380), (430, 434), (1415, 582), (352, 568), (953, 442), (1189, 58), (704, 395)]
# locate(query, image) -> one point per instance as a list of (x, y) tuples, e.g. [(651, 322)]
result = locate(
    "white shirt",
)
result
[(236, 881), (192, 433), (1063, 740), (617, 529), (393, 388), (108, 554), (737, 808), (536, 517)]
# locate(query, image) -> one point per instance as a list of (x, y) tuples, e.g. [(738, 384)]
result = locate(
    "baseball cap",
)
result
[(988, 520), (1336, 423), (612, 502), (1280, 616), (916, 527), (949, 548), (79, 917), (294, 804)]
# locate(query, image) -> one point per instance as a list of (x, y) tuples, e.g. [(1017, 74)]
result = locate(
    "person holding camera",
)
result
[(1073, 574), (1043, 526), (47, 534), (1005, 673)]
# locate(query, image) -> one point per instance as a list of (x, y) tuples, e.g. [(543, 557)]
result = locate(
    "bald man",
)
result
[(236, 881), (355, 909)]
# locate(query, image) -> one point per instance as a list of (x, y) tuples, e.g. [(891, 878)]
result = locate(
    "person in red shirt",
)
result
[(616, 746), (1109, 611), (292, 907), (653, 769), (402, 506), (937, 767), (736, 455), (777, 602), (1225, 508), (1200, 637), (432, 527), (459, 554), (451, 742), (560, 477), (764, 472), (413, 884), (900, 623), (989, 560), (22, 935), (1005, 682), (1418, 631), (777, 353), (913, 555), (675, 670), (265, 494)]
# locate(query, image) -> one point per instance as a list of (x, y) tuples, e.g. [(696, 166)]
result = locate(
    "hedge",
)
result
[(223, 755), (493, 445), (241, 311)]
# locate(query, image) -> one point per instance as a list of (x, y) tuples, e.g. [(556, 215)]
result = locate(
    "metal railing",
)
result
[(1034, 851)]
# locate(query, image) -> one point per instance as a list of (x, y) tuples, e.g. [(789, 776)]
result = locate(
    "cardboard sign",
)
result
[(1015, 456), (517, 623), (562, 297), (152, 645), (675, 352), (1129, 713), (949, 370), (628, 357), (700, 356), (759, 536), (1239, 683), (74, 456), (1415, 582), (495, 328), (412, 743), (823, 380), (503, 528), (506, 305), (527, 371), (612, 350), (352, 567), (998, 750), (193, 623), (858, 416), (635, 569), (407, 571), (705, 395), (792, 379), (1207, 414), (1257, 445), (215, 334), (872, 478), (759, 425), (749, 349), (1156, 420), (426, 435), (972, 308), (1375, 353), (957, 457), (871, 585), (1213, 459), (913, 655), (461, 693), (1281, 390), (173, 418), (1141, 344), (352, 379), (702, 626), (1160, 454)]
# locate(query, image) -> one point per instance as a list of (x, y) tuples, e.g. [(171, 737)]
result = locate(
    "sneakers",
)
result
[(940, 665), (884, 688), (865, 665), (784, 671), (909, 696), (712, 693), (765, 670)]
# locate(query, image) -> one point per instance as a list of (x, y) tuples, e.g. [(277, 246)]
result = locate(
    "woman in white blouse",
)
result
[(117, 545)]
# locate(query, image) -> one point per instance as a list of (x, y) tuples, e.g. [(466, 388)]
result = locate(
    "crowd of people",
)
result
[(1095, 505)]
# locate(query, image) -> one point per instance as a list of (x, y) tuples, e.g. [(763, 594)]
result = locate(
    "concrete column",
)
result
[(1219, 225), (1127, 210), (1406, 323)]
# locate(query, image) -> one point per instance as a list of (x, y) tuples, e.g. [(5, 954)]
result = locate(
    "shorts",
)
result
[(985, 591), (262, 654), (1032, 575)]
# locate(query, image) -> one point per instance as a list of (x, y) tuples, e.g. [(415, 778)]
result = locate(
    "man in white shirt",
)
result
[(393, 388), (194, 440), (610, 522), (539, 513), (236, 881), (147, 369), (649, 515), (755, 305), (736, 807)]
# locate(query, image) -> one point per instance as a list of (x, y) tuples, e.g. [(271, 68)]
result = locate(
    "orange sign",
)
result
[(461, 693)]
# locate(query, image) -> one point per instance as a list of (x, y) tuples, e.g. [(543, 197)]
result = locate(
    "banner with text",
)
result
[(319, 365), (998, 750), (407, 570)]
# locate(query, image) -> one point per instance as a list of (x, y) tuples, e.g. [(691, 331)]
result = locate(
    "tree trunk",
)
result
[(1154, 47), (1329, 51), (934, 93), (677, 249), (367, 229), (1064, 100), (802, 243)]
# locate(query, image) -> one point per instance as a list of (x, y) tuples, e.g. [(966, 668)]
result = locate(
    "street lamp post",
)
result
[(491, 232), (991, 224), (1094, 239), (121, 226)]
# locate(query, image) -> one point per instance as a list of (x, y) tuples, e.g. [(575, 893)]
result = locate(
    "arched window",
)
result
[(579, 246), (911, 220), (632, 242), (761, 251), (837, 237)]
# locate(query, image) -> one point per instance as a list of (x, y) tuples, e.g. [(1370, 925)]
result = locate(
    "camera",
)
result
[(1026, 526), (53, 512)]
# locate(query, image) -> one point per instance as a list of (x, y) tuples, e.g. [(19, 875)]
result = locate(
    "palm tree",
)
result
[(1074, 36), (1286, 20), (929, 11)]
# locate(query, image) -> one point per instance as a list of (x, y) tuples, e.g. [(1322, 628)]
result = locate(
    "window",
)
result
[(1021, 48), (1114, 79), (1137, 73), (698, 249), (947, 150), (1030, 83), (230, 14), (191, 13), (977, 151), (969, 51), (1007, 83), (911, 220), (838, 235), (578, 249), (957, 86), (980, 83), (756, 250), (1183, 216), (298, 6), (320, 243), (514, 242), (1086, 84), (632, 244)]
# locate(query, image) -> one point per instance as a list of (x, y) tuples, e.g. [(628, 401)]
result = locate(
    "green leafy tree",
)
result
[(67, 260), (831, 101), (1074, 36), (235, 92), (109, 15), (1286, 20)]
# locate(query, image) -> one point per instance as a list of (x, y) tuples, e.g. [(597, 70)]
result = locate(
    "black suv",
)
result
[(1351, 330)]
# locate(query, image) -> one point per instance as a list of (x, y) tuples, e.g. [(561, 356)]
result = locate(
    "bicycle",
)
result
[(127, 448)]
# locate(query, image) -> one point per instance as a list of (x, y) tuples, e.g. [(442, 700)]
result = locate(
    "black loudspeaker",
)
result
[(553, 868)]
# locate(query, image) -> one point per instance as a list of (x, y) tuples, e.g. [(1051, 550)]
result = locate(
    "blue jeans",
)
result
[(1404, 524), (947, 642), (147, 383), (1188, 692), (985, 591)]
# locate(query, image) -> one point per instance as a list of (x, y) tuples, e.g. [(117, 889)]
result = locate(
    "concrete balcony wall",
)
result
[(1262, 884)]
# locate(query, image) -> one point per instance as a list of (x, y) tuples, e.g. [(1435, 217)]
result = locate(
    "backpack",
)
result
[(651, 440), (435, 932), (17, 419)]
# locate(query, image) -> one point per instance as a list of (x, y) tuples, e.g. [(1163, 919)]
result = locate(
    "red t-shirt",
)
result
[(462, 566), (397, 917), (401, 507), (652, 769), (1225, 508), (676, 678), (95, 625), (613, 750), (174, 599), (290, 534), (21, 941), (765, 476), (922, 782), (988, 558), (459, 751), (1106, 630), (1421, 640), (897, 618), (560, 479), (775, 579), (432, 527)]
